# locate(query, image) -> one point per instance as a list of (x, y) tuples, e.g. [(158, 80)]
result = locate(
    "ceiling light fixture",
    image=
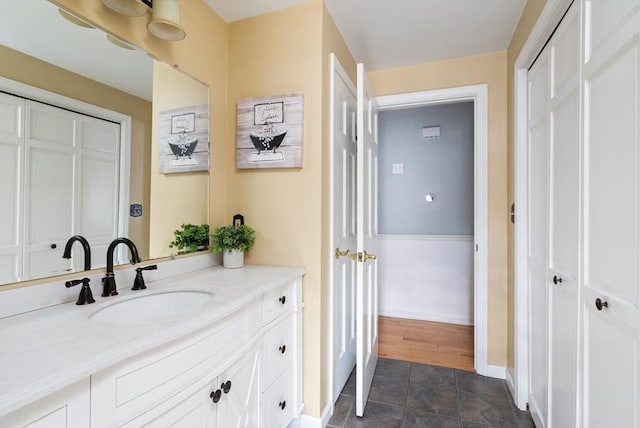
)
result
[(119, 43), (165, 16), (127, 7), (74, 19)]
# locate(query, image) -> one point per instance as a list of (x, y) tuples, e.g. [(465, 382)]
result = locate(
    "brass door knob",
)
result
[(339, 253), (369, 256)]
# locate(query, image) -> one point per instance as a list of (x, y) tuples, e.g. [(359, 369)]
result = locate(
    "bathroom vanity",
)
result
[(211, 348)]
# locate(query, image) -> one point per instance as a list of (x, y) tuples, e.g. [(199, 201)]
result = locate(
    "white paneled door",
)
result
[(611, 293), (11, 156), (538, 189), (584, 219), (344, 227), (564, 219), (59, 176), (367, 232)]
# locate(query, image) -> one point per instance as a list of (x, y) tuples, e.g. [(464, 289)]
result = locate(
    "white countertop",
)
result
[(45, 350)]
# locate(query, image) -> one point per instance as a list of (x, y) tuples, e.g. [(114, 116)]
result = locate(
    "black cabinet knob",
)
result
[(282, 404), (601, 304), (226, 387), (556, 279), (282, 299), (282, 349), (54, 246), (215, 395)]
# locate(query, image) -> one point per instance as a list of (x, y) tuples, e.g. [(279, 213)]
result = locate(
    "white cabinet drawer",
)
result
[(132, 387), (279, 402), (278, 349), (279, 301)]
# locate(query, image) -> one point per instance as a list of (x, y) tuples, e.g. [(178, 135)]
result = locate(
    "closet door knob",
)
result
[(282, 404), (601, 304), (226, 387), (282, 299), (282, 349), (215, 395), (556, 279), (54, 246)]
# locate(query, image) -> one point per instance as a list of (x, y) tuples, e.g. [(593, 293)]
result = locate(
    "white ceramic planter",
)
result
[(233, 259)]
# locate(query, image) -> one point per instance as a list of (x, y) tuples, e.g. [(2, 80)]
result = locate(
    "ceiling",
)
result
[(394, 33), (380, 33)]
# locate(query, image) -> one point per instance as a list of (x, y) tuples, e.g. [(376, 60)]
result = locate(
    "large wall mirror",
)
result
[(79, 114)]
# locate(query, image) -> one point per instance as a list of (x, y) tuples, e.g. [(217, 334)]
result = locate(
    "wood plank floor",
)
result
[(426, 342)]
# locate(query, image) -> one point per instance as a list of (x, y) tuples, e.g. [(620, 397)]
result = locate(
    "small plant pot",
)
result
[(233, 259)]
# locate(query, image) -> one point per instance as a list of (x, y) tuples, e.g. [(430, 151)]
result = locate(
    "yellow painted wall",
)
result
[(34, 72), (272, 54), (490, 69), (188, 192), (203, 55), (530, 14)]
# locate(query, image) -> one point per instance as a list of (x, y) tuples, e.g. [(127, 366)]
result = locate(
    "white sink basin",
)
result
[(153, 306)]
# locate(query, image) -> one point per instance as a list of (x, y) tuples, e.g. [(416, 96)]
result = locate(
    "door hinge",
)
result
[(513, 213)]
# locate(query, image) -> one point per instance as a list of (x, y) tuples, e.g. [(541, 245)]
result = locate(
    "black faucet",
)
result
[(85, 247), (109, 281)]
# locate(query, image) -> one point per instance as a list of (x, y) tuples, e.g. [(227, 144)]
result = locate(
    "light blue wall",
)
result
[(442, 166)]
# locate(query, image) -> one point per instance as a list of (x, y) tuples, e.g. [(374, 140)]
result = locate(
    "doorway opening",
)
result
[(426, 234), (342, 124), (478, 95)]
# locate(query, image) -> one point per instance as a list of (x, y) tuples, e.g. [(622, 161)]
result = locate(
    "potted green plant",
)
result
[(233, 241), (190, 238)]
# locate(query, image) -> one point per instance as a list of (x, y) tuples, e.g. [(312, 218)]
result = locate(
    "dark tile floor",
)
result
[(411, 395)]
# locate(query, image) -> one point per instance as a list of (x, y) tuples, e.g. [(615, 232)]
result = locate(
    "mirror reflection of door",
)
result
[(62, 178)]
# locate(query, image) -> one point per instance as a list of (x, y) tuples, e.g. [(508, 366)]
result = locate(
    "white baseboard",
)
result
[(510, 382), (428, 316), (307, 421), (497, 372)]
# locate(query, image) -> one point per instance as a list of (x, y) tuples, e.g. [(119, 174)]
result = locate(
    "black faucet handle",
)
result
[(86, 296), (75, 282), (138, 282)]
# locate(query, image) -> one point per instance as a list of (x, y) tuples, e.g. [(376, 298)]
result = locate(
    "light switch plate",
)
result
[(397, 168)]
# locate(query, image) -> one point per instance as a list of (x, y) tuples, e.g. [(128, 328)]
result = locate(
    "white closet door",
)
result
[(612, 214), (564, 226), (11, 155), (538, 173), (98, 185), (50, 139)]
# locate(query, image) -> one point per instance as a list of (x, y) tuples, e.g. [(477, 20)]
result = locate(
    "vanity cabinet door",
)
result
[(239, 405), (67, 408), (229, 400), (195, 411)]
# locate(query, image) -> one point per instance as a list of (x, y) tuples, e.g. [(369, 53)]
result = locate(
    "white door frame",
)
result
[(479, 95), (518, 381)]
